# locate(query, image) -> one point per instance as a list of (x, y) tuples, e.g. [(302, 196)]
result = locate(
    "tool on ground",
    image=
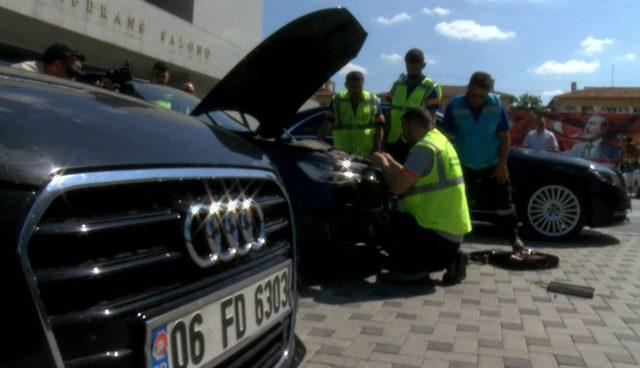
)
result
[(570, 289), (526, 259)]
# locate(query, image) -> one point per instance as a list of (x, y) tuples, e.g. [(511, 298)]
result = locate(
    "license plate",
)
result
[(205, 332)]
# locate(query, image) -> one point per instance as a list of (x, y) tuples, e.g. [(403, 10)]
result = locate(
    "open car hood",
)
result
[(280, 74)]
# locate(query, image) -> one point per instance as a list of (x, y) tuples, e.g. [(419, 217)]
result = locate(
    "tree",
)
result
[(529, 102)]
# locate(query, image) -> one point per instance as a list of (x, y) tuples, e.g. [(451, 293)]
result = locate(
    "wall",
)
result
[(111, 31)]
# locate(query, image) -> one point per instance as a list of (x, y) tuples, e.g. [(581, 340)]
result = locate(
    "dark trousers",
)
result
[(484, 192), (411, 247)]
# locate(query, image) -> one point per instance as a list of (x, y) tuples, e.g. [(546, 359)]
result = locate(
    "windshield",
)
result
[(176, 100), (166, 97)]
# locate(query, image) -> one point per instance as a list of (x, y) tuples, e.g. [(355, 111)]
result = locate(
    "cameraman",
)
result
[(58, 60)]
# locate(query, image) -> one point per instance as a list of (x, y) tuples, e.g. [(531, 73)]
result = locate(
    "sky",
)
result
[(529, 46)]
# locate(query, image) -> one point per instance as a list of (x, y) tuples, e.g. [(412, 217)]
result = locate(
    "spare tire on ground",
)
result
[(524, 260)]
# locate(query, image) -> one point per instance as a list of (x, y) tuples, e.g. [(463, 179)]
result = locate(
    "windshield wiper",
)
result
[(289, 135)]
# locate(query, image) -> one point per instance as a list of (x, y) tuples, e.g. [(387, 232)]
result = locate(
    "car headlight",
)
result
[(345, 164), (328, 173), (606, 176)]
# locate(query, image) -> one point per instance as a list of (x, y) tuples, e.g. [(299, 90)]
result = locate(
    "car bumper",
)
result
[(298, 353), (610, 206), (340, 217)]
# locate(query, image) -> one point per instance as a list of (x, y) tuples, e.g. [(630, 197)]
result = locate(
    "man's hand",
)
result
[(392, 171), (501, 173), (386, 155), (379, 160)]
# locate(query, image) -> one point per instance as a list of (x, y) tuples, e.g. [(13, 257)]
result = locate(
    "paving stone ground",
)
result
[(495, 318)]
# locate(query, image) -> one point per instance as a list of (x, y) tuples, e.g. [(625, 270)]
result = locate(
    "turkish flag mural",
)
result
[(606, 138)]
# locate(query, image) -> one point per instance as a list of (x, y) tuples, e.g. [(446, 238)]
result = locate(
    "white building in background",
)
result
[(200, 40)]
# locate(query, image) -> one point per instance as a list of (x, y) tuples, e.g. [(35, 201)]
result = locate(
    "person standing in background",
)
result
[(58, 60), (160, 73), (478, 125), (540, 139), (411, 90)]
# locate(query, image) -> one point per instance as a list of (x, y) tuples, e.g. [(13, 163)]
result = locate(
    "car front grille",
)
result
[(103, 248)]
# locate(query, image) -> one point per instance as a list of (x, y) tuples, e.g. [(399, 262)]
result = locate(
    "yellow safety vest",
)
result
[(163, 104), (438, 199), (354, 132), (400, 102)]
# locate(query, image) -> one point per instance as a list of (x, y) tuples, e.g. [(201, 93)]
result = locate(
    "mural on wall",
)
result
[(607, 138)]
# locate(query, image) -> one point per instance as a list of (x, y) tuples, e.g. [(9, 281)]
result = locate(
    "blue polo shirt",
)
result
[(474, 131)]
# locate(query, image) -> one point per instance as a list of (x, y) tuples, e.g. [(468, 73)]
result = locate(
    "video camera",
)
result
[(111, 79)]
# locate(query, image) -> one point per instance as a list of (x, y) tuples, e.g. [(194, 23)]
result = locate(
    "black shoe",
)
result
[(457, 270)]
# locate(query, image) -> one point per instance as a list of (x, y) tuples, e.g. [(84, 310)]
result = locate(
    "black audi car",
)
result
[(131, 236), (332, 192), (556, 195)]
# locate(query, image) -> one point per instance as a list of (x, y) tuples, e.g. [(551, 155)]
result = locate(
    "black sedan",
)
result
[(556, 195), (331, 192)]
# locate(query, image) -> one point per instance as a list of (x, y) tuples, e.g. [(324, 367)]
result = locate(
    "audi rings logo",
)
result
[(221, 230)]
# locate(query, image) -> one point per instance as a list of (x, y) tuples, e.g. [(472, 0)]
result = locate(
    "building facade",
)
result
[(622, 100), (200, 40)]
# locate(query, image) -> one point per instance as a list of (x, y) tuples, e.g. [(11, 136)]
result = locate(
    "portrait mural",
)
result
[(613, 139)]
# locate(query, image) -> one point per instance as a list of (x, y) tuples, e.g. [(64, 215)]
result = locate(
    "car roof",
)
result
[(43, 81)]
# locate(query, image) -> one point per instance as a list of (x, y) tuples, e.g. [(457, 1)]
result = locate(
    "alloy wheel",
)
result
[(554, 211)]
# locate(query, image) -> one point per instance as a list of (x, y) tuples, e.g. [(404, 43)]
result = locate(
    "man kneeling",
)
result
[(426, 236)]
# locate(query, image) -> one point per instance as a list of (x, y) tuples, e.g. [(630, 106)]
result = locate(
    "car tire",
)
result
[(554, 212)]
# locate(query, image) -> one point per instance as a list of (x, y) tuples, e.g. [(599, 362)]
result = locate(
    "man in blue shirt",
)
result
[(478, 125)]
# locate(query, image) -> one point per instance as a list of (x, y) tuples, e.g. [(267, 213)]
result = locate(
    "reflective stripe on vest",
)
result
[(446, 183), (443, 182), (438, 199), (401, 102), (353, 132), (477, 141)]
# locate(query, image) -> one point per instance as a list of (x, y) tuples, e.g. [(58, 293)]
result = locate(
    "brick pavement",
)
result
[(495, 318)]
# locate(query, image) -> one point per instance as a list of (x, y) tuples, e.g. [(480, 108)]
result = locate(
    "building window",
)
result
[(636, 109), (569, 109), (587, 109), (615, 109), (182, 8)]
